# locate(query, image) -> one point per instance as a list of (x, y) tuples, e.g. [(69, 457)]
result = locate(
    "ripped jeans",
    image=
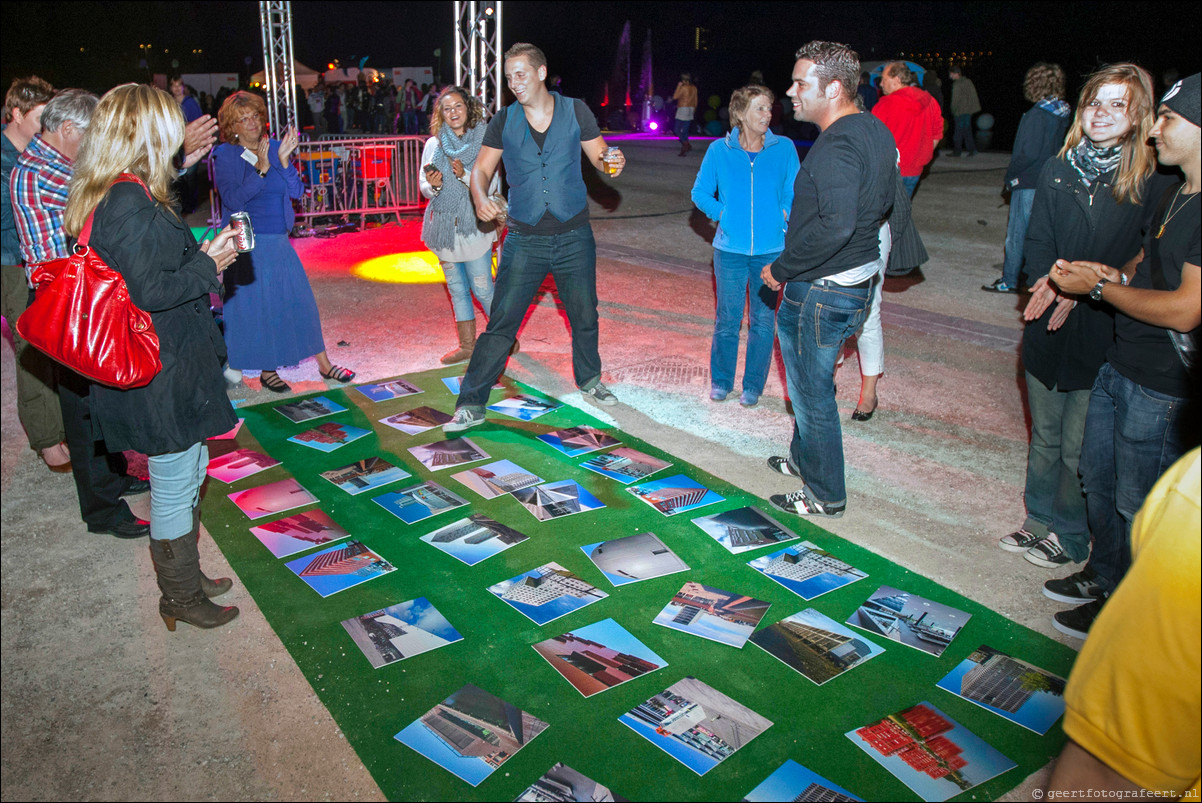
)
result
[(465, 279)]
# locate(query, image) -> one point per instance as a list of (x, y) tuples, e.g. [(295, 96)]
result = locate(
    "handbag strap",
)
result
[(86, 233)]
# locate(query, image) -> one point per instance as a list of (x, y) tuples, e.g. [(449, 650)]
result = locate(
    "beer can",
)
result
[(244, 233)]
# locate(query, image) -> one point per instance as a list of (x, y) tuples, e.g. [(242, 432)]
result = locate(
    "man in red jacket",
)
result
[(912, 116)]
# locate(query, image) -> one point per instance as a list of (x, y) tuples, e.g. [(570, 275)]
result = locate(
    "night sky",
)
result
[(581, 39)]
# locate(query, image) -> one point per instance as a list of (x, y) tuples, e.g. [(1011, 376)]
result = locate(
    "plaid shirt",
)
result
[(38, 187)]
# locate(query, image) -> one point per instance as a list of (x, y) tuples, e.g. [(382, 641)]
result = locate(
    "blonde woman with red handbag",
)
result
[(136, 131)]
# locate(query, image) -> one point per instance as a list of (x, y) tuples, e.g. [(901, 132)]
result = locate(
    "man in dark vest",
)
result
[(540, 138)]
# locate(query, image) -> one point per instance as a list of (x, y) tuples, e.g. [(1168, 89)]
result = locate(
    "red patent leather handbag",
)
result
[(83, 317)]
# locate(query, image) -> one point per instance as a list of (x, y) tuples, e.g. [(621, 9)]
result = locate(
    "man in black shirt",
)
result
[(842, 195), (540, 138), (1142, 414)]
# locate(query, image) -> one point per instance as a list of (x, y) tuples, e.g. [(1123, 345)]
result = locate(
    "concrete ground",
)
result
[(99, 701)]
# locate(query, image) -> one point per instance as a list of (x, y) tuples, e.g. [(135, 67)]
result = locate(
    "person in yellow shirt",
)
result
[(1133, 698)]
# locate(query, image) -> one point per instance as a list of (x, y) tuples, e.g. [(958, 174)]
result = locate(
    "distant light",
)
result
[(654, 126)]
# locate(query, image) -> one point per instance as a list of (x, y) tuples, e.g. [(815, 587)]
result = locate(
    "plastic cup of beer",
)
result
[(611, 157)]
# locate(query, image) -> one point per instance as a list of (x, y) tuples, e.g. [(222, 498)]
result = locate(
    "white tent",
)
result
[(305, 76)]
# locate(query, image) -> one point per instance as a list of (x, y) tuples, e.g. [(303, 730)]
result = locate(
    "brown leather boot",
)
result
[(212, 588), (467, 343), (177, 564)]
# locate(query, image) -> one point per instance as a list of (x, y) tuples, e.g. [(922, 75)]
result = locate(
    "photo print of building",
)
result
[(444, 454), (713, 614), (400, 631), (1013, 689), (792, 781), (497, 479), (599, 657), (815, 645), (910, 620), (239, 464), (676, 494), (473, 539), (419, 502), (930, 752), (807, 570), (383, 391), (562, 784), (471, 733), (297, 533), (417, 420), (695, 724), (329, 436), (576, 441), (625, 464), (744, 529), (557, 499), (547, 593), (364, 475), (633, 558), (523, 407), (340, 567), (308, 409), (275, 497)]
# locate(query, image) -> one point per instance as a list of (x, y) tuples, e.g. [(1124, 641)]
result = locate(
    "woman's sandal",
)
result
[(338, 374), (271, 380)]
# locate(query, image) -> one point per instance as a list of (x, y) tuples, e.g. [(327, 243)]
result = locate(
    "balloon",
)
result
[(713, 128), (724, 113), (714, 102), (710, 115), (984, 121)]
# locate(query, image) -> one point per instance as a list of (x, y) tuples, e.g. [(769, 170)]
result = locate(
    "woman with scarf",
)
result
[(1040, 135), (1090, 204), (462, 244)]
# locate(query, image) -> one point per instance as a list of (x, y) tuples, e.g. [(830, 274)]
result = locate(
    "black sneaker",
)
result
[(1048, 553), (800, 503), (1019, 541), (781, 465), (1076, 622), (1077, 587), (136, 486), (999, 286)]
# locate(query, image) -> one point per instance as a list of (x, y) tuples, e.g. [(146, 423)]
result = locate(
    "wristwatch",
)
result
[(1096, 292)]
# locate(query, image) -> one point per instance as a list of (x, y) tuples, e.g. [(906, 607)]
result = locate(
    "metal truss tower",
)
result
[(478, 53), (275, 17)]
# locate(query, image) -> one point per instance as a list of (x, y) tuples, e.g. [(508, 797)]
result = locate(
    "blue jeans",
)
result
[(410, 118), (1016, 233), (733, 275), (571, 258), (813, 323), (1053, 494), (465, 279), (1132, 435), (175, 481), (681, 127), (963, 135), (910, 183)]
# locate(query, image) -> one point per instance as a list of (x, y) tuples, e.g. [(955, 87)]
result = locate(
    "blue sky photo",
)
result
[(812, 587), (1039, 713), (789, 781)]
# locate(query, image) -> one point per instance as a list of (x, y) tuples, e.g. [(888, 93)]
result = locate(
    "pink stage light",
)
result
[(654, 126)]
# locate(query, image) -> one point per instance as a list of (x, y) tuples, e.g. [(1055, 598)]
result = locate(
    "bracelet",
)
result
[(262, 173), (1124, 279)]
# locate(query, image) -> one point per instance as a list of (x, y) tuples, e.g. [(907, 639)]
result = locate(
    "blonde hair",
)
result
[(740, 101), (135, 129), (1139, 158)]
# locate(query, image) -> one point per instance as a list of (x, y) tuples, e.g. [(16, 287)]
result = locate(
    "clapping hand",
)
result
[(199, 136), (264, 162), (288, 145)]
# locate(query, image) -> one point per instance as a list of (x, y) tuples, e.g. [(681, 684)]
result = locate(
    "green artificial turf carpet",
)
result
[(372, 705)]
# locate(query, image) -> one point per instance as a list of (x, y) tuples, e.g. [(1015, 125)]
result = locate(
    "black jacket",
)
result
[(169, 277), (1074, 222), (1040, 135)]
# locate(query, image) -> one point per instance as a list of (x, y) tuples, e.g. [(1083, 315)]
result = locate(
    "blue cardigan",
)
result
[(267, 200), (753, 198)]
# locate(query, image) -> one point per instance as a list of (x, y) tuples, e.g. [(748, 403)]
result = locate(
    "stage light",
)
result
[(412, 267), (654, 126)]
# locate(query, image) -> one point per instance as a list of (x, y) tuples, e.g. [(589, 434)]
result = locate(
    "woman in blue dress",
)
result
[(270, 314)]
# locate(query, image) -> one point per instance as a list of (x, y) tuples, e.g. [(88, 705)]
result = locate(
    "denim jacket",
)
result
[(752, 199)]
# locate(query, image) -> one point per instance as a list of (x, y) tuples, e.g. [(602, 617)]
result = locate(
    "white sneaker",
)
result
[(465, 418)]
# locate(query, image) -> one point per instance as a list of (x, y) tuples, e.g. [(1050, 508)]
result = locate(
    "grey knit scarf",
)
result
[(451, 212)]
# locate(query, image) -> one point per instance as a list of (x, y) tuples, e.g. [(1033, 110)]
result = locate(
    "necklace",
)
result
[(1173, 212)]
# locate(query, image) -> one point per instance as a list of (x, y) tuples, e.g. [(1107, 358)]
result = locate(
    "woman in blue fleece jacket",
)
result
[(746, 185)]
